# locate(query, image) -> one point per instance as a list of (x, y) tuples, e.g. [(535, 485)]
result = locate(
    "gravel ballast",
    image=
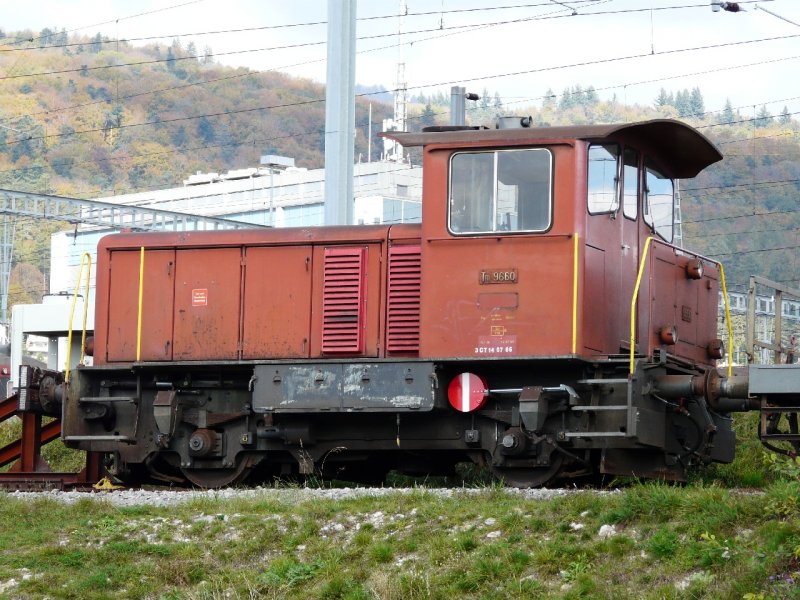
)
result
[(287, 495)]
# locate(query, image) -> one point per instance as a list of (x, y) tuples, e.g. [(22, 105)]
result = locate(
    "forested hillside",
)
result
[(90, 117)]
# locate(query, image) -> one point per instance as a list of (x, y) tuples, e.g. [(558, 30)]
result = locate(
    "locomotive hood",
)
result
[(670, 142)]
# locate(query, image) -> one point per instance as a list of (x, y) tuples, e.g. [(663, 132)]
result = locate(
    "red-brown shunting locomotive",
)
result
[(497, 331)]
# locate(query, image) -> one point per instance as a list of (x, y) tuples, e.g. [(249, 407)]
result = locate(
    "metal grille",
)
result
[(343, 301), (402, 315)]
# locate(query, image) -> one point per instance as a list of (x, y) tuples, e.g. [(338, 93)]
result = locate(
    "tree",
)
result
[(497, 104), (590, 94), (763, 117), (682, 103), (205, 129), (96, 45), (726, 117), (785, 118), (208, 56), (567, 101), (25, 284), (179, 138), (112, 122), (578, 98), (549, 100), (29, 139), (191, 50), (696, 105), (428, 117), (483, 103), (46, 37), (170, 59), (663, 99)]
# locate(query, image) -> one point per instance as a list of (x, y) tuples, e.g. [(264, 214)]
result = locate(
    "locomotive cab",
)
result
[(533, 240)]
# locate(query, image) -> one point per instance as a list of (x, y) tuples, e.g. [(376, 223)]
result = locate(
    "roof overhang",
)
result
[(680, 148)]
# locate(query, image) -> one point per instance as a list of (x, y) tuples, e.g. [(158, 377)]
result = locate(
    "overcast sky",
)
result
[(539, 41)]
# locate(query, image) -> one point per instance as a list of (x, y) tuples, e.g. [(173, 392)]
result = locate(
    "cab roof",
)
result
[(679, 148)]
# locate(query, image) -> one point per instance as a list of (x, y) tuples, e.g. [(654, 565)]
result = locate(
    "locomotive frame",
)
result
[(534, 323)]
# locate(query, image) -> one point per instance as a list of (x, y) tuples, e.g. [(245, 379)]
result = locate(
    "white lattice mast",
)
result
[(399, 122), (401, 95)]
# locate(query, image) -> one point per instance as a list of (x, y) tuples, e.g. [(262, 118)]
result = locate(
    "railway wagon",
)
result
[(538, 322)]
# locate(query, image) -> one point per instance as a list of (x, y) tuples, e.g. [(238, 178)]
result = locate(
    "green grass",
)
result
[(670, 542), (702, 540)]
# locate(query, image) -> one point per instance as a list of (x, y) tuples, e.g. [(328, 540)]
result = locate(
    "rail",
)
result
[(86, 259), (635, 298)]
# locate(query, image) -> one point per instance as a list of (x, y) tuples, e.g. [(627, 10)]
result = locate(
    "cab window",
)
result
[(503, 190), (630, 177), (659, 202), (603, 176)]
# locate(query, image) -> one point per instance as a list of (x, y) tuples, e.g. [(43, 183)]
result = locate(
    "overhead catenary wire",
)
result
[(262, 27), (369, 50), (409, 14), (478, 78), (600, 61), (198, 116)]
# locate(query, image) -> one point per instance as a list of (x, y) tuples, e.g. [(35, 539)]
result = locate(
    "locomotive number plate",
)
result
[(490, 276)]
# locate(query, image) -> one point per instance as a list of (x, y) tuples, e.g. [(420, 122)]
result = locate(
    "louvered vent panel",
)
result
[(402, 316), (343, 301)]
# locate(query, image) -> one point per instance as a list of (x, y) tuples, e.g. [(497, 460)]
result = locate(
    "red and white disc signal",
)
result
[(467, 392)]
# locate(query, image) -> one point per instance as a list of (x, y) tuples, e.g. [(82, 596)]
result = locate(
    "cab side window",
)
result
[(502, 190), (659, 202), (630, 178), (603, 177)]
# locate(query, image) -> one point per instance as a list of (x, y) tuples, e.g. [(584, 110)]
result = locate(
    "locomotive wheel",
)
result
[(530, 477), (217, 478)]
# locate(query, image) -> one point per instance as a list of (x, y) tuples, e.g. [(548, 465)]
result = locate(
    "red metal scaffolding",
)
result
[(29, 469)]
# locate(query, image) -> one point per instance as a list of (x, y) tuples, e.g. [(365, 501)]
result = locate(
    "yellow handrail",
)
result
[(575, 295), (139, 316), (636, 296), (86, 259), (727, 318)]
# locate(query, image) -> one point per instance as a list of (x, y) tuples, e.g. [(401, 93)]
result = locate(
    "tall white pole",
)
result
[(369, 134), (340, 112)]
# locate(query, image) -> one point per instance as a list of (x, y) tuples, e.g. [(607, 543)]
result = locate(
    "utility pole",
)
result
[(340, 112)]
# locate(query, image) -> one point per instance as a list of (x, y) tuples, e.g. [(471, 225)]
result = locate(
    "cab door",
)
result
[(633, 236), (603, 238)]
